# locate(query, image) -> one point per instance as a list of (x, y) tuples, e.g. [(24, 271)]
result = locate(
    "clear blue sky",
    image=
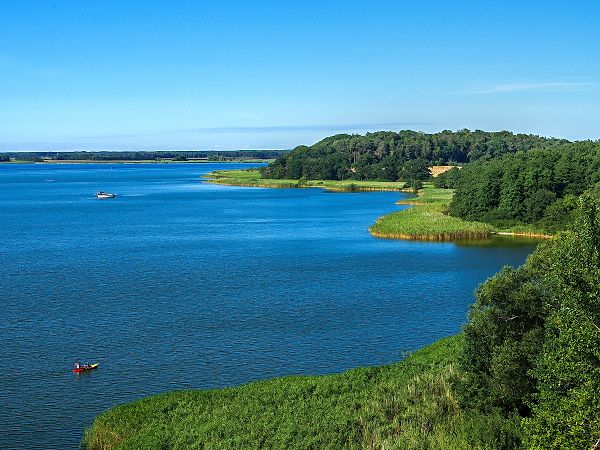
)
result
[(275, 74)]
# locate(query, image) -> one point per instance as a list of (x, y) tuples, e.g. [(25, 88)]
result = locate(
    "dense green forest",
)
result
[(143, 155), (505, 179), (536, 187), (404, 155)]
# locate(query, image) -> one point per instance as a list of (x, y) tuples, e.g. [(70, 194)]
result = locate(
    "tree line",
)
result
[(142, 155), (388, 155), (536, 187)]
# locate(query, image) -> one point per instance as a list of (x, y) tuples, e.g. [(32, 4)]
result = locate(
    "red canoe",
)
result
[(85, 368)]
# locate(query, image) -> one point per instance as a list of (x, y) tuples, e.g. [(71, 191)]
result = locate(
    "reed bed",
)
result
[(427, 220), (324, 412), (410, 404)]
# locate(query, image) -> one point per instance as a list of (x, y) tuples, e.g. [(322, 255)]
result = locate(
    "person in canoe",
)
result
[(83, 367)]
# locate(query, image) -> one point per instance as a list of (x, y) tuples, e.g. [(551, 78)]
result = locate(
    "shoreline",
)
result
[(326, 411), (145, 161), (310, 186), (425, 221), (251, 178), (524, 234)]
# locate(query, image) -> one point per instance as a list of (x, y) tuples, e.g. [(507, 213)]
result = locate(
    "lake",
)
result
[(180, 284)]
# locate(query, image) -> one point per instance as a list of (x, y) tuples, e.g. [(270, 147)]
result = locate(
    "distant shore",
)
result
[(139, 161)]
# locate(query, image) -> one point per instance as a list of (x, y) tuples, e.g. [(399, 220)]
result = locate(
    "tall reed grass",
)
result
[(427, 220)]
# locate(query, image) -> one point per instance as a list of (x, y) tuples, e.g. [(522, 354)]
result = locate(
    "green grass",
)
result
[(525, 231), (430, 195), (252, 177), (410, 404), (427, 220)]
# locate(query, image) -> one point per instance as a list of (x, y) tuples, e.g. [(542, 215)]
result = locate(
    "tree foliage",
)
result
[(566, 410), (532, 345), (384, 155), (539, 186)]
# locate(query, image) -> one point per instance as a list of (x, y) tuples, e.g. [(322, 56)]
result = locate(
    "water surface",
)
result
[(179, 284)]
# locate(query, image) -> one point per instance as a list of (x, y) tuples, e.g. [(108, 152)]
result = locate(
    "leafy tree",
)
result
[(448, 179), (566, 410), (415, 170), (560, 214), (537, 203), (502, 340), (532, 344), (415, 185)]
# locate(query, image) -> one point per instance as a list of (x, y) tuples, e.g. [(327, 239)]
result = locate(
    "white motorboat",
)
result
[(102, 195)]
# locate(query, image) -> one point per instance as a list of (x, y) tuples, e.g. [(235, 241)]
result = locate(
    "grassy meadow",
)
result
[(410, 404), (252, 177)]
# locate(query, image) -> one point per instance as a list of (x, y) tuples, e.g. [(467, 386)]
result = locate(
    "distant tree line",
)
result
[(144, 155), (4, 158), (535, 187), (403, 155)]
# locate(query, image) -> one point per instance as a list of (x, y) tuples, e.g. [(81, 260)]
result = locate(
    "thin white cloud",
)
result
[(346, 127), (266, 129), (267, 137), (555, 86)]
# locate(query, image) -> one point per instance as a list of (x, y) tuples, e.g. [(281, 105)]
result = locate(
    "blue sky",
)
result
[(266, 74)]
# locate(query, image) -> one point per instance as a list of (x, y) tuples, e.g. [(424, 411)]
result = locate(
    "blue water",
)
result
[(179, 284)]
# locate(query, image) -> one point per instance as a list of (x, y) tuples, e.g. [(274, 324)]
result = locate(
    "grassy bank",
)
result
[(252, 178), (410, 404), (427, 220)]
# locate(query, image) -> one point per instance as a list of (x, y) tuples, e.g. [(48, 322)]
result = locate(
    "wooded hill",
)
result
[(506, 179), (532, 343), (384, 155)]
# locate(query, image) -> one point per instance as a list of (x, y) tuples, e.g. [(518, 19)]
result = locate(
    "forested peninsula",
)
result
[(524, 372), (484, 183)]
